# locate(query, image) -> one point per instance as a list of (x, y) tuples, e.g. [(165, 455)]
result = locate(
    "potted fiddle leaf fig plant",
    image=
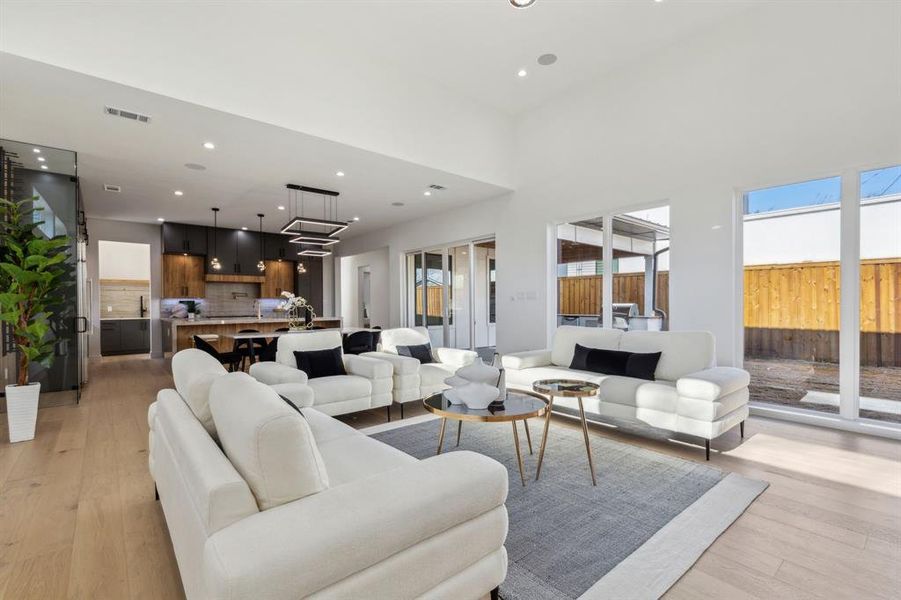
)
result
[(32, 277)]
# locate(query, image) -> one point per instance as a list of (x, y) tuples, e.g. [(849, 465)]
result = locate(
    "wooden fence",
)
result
[(582, 295), (792, 311)]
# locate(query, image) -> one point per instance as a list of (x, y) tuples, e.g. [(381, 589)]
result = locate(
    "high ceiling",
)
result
[(245, 174), (398, 95)]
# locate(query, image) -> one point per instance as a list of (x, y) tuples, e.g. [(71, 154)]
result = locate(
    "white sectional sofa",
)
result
[(689, 395), (286, 506), (412, 380), (367, 384)]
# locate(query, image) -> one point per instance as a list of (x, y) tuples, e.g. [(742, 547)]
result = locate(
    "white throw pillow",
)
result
[(268, 442), (198, 399)]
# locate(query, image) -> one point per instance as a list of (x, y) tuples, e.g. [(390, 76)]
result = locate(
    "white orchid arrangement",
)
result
[(291, 301), (293, 305)]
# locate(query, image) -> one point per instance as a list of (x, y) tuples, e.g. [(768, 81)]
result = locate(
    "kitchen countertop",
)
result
[(224, 320)]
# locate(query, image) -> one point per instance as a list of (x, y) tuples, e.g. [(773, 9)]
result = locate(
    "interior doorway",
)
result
[(125, 293), (364, 289)]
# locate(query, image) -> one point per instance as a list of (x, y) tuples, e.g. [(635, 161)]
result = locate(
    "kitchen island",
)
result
[(178, 334)]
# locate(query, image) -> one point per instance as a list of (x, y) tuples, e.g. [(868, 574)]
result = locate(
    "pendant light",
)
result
[(261, 266), (301, 269), (214, 262)]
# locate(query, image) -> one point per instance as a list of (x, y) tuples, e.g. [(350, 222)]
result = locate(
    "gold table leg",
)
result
[(587, 444), (441, 435), (459, 431), (525, 423), (518, 455), (547, 424)]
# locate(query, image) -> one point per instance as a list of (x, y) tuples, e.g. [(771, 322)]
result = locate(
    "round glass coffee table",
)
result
[(565, 388), (519, 405)]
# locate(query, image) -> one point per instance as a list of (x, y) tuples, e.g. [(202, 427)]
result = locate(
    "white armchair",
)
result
[(368, 382), (412, 380)]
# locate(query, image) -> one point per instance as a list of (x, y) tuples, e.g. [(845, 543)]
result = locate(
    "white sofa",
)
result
[(367, 384), (377, 524), (412, 380), (690, 394)]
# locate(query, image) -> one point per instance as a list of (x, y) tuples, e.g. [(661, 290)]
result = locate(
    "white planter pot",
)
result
[(22, 410)]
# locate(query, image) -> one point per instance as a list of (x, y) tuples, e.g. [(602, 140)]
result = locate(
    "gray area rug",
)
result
[(566, 535)]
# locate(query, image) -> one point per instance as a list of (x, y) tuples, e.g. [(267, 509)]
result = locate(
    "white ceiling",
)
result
[(245, 174), (398, 94), (472, 48)]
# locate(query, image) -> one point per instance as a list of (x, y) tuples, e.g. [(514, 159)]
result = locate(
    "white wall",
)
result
[(815, 235), (122, 231), (348, 292), (791, 92), (124, 260)]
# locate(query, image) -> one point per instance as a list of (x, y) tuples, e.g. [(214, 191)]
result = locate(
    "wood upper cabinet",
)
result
[(279, 278), (183, 276)]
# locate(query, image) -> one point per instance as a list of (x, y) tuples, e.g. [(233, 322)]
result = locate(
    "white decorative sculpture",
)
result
[(476, 396), (474, 385)]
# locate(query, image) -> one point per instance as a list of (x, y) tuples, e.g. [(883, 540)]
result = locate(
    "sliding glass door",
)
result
[(822, 295), (451, 291)]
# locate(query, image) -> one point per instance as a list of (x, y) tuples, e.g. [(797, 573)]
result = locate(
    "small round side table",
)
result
[(565, 388)]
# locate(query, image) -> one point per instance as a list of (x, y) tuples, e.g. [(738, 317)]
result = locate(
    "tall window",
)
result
[(638, 269), (791, 294), (796, 329), (880, 294)]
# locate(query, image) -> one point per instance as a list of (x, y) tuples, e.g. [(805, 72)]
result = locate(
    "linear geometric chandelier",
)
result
[(313, 234)]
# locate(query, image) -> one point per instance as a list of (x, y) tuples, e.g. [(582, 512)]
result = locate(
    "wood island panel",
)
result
[(185, 332)]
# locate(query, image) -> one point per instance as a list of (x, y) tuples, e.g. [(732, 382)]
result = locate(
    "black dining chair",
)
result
[(243, 347), (231, 359), (358, 342), (268, 353)]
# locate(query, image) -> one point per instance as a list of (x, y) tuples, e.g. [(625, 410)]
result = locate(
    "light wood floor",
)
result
[(78, 518)]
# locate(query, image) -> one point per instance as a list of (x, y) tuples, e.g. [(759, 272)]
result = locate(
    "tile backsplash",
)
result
[(229, 300), (122, 297)]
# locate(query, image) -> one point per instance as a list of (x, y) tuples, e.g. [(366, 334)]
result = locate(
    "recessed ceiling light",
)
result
[(179, 193), (356, 218), (340, 173), (209, 145), (36, 150), (243, 229), (427, 193), (548, 59), (522, 3), (160, 219), (41, 159), (43, 166), (397, 204), (281, 207), (522, 73)]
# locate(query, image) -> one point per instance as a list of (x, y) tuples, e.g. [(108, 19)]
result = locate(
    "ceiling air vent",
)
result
[(435, 186), (107, 187), (126, 114)]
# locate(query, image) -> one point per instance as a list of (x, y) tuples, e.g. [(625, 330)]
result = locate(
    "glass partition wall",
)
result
[(822, 296), (450, 291), (49, 177)]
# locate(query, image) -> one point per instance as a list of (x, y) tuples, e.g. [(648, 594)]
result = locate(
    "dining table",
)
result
[(264, 335)]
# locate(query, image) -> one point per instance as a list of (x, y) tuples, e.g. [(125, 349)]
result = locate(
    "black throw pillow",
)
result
[(422, 353), (320, 363), (599, 360), (642, 366), (615, 362)]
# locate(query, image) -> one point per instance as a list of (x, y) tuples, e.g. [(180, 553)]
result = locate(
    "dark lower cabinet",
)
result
[(124, 336)]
